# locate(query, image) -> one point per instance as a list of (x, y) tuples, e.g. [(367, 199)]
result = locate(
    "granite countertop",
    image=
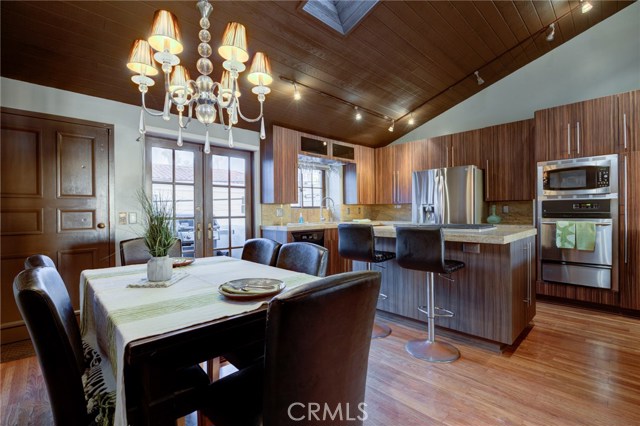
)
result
[(503, 234)]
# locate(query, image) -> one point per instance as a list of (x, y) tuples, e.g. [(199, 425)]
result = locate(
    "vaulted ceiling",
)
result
[(403, 57)]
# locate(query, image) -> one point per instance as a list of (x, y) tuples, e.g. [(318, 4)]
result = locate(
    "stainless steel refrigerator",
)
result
[(449, 195)]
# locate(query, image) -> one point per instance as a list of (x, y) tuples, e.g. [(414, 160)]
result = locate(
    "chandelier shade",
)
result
[(165, 34), (141, 59), (203, 98), (234, 43)]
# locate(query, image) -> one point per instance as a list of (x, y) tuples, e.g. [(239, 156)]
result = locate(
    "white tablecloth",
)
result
[(116, 315)]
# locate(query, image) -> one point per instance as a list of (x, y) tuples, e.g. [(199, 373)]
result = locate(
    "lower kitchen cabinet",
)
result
[(629, 248), (493, 297), (337, 264)]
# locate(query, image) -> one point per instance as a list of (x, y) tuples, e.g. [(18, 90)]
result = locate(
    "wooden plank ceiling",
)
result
[(404, 56)]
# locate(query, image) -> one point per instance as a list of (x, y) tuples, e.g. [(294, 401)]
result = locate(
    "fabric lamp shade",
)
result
[(260, 72), (227, 84), (165, 34), (234, 43), (179, 78), (141, 59)]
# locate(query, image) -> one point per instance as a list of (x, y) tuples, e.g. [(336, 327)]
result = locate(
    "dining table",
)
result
[(143, 330)]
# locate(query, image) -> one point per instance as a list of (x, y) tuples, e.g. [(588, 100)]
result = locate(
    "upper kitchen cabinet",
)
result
[(360, 177), (393, 174), (629, 121), (509, 170), (430, 153), (279, 166), (466, 148), (583, 129)]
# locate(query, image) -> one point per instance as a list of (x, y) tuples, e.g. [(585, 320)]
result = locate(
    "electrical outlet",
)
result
[(122, 218), (279, 212), (359, 210), (505, 209), (348, 210)]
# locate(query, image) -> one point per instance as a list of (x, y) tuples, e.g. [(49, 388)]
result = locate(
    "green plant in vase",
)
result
[(158, 236)]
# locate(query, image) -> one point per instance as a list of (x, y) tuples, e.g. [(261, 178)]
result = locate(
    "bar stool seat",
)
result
[(356, 242), (422, 249)]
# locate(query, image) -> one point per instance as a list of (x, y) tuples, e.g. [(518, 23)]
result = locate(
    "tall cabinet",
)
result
[(393, 174)]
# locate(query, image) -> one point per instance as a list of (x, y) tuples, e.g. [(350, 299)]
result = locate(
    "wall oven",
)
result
[(579, 176)]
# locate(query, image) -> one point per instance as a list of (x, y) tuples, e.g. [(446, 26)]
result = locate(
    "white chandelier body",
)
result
[(207, 98)]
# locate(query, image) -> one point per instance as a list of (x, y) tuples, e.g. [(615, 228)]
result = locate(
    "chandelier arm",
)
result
[(251, 120), (147, 110), (221, 115)]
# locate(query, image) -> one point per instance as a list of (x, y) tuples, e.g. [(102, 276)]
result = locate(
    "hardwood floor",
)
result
[(575, 367)]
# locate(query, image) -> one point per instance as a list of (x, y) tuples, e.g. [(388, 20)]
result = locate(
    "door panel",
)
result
[(55, 201)]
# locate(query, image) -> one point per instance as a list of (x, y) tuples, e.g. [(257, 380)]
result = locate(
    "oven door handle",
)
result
[(596, 221)]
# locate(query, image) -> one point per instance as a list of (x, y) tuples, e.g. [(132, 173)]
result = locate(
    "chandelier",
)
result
[(204, 96)]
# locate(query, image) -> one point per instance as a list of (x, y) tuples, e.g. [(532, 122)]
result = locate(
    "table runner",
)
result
[(117, 315)]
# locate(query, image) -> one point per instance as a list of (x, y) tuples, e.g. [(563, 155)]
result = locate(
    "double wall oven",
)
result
[(579, 190)]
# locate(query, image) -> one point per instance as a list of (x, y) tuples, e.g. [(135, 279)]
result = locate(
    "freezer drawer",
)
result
[(566, 273), (602, 255)]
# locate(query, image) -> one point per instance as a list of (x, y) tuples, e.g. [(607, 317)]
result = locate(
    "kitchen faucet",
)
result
[(327, 199)]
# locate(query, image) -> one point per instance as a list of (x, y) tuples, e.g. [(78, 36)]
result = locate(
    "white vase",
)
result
[(159, 268)]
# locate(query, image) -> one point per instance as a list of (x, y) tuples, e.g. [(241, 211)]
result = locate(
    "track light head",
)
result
[(411, 120), (478, 78), (393, 122), (551, 32), (358, 115), (586, 6), (296, 94)]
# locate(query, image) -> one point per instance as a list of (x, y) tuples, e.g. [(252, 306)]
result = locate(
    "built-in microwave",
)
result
[(579, 176)]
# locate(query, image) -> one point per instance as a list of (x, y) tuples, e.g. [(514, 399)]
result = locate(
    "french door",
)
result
[(211, 195)]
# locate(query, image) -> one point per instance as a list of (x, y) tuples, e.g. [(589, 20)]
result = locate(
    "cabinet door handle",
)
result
[(199, 231), (624, 127), (397, 186), (487, 178), (527, 250), (626, 212), (453, 163), (569, 139), (578, 136), (209, 231)]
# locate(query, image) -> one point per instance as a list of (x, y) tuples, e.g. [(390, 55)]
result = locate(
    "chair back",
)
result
[(307, 258), (317, 348), (355, 242), (421, 248), (38, 260), (44, 304), (261, 250), (135, 252)]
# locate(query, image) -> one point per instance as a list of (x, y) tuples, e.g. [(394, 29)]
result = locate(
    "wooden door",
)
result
[(629, 253), (629, 121), (404, 172), (466, 148), (509, 167), (385, 175), (55, 201), (595, 127)]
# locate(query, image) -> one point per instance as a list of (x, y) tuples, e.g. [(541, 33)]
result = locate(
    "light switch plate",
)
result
[(122, 218), (133, 217), (505, 209)]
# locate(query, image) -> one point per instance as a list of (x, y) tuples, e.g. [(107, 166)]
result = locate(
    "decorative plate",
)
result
[(182, 261), (251, 288)]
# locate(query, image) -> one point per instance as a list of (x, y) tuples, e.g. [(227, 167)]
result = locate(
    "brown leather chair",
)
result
[(316, 351), (307, 258), (135, 252), (261, 250), (38, 260), (44, 303)]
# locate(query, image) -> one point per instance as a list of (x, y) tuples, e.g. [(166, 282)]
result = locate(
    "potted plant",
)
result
[(158, 236)]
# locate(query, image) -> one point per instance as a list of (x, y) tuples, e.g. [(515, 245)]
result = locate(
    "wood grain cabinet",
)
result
[(279, 166), (493, 297), (430, 153), (393, 174), (629, 121), (336, 264), (466, 148), (629, 249), (583, 129), (509, 171), (360, 177)]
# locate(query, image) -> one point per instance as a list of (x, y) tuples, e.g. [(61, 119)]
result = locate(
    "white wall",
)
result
[(129, 153), (601, 61)]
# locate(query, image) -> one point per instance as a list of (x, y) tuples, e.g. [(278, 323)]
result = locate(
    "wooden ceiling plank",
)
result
[(544, 10)]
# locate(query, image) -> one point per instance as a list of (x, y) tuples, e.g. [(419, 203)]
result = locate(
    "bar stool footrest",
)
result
[(439, 312)]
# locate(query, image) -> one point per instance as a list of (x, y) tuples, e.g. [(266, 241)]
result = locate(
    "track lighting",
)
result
[(358, 115), (551, 31), (586, 6), (393, 122), (478, 78), (296, 94), (411, 120)]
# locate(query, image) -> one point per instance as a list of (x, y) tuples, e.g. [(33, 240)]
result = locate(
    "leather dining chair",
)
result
[(38, 260), (316, 351), (135, 252), (307, 258), (71, 369), (261, 250)]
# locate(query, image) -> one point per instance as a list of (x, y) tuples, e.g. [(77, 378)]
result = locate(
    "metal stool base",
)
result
[(432, 351), (380, 330)]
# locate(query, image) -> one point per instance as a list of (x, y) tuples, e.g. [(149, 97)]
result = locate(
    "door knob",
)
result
[(101, 225)]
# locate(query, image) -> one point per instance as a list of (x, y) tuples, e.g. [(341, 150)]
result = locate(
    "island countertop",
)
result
[(503, 234)]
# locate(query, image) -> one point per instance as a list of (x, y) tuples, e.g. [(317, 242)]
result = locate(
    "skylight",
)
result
[(341, 15)]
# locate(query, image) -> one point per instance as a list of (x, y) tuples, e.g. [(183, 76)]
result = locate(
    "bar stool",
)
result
[(356, 242), (422, 249)]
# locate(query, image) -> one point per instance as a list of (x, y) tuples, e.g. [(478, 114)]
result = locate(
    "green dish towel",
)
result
[(586, 236), (565, 234)]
